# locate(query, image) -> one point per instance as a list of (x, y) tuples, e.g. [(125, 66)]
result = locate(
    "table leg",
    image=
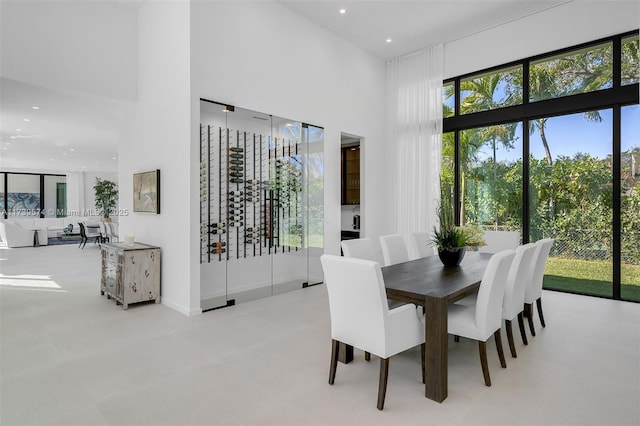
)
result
[(435, 333), (36, 238)]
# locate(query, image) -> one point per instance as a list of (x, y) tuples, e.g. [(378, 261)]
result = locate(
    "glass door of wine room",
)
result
[(256, 174)]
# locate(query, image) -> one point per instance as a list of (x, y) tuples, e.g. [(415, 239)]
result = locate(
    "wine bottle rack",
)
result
[(250, 194)]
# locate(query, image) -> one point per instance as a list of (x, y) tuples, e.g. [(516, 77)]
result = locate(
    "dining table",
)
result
[(427, 282)]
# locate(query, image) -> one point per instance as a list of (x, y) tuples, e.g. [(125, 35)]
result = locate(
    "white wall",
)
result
[(159, 139), (264, 57), (82, 46), (563, 26)]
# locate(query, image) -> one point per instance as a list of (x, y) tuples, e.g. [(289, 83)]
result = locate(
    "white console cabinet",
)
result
[(130, 272)]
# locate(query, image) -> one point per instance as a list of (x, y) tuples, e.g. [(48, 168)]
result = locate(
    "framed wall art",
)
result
[(146, 192)]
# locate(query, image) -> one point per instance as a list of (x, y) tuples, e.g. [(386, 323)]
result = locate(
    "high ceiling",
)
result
[(412, 25), (75, 131), (67, 132)]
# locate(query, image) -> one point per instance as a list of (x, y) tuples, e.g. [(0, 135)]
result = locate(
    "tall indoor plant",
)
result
[(106, 197)]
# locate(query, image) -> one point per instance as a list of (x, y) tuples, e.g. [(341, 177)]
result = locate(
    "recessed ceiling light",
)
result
[(18, 130), (13, 137), (388, 40), (71, 149), (64, 153), (35, 107), (26, 119), (342, 11), (50, 159), (113, 158)]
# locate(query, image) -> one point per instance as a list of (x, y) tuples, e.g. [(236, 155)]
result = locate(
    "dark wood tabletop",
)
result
[(414, 280), (427, 282)]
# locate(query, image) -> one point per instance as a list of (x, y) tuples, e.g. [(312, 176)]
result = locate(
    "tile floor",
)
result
[(71, 357)]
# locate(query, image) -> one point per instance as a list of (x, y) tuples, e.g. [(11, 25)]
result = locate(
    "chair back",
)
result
[(112, 233), (104, 231), (361, 248), (357, 301), (517, 281), (534, 288), (421, 245), (394, 249), (491, 293), (500, 240)]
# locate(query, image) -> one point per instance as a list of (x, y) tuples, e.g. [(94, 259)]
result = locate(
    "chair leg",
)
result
[(498, 338), (539, 305), (334, 361), (367, 356), (382, 386), (523, 333), (512, 346), (482, 348), (528, 312), (422, 350)]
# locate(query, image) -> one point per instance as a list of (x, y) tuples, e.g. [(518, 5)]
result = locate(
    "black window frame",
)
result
[(614, 98)]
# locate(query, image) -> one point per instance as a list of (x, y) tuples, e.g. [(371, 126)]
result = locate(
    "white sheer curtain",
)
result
[(75, 194), (414, 100)]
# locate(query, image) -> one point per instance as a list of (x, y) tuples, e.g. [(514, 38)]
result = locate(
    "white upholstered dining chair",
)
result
[(512, 305), (533, 292), (517, 281), (394, 249), (361, 248), (421, 246), (361, 318), (479, 322)]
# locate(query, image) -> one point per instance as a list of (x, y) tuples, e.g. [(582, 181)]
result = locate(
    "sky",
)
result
[(567, 135)]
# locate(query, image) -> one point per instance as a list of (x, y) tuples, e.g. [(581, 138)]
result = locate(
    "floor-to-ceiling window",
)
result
[(567, 124)]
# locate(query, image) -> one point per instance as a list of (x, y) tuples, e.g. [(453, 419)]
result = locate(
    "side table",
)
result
[(130, 272)]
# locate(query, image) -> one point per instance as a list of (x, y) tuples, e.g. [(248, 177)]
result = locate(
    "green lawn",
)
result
[(590, 277)]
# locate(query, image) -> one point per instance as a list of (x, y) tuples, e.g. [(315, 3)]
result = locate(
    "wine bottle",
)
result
[(235, 180), (218, 244), (216, 225), (218, 251), (218, 231), (235, 192), (235, 155), (236, 149)]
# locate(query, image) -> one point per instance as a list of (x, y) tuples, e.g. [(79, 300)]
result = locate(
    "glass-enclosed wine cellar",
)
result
[(261, 204)]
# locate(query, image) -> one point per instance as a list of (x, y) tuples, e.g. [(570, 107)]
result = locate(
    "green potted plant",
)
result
[(106, 197), (452, 241)]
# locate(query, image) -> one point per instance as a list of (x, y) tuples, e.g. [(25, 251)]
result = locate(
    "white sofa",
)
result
[(52, 225), (15, 235)]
